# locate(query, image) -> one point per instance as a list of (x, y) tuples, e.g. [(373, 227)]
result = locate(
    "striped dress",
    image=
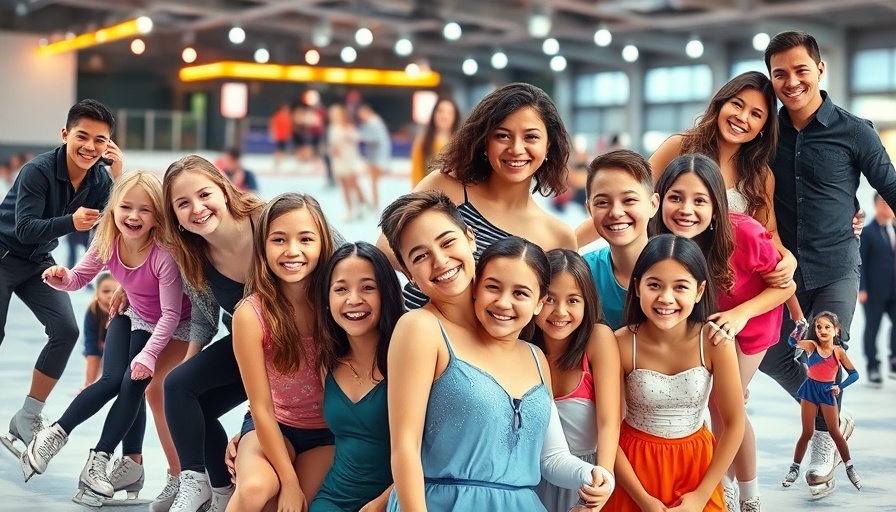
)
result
[(486, 234)]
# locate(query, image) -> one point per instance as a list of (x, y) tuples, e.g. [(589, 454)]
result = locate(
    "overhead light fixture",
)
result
[(188, 55), (237, 35), (348, 55), (307, 74), (550, 46), (499, 60), (452, 31), (694, 48), (364, 37), (760, 41), (322, 34), (602, 36), (558, 63), (404, 47), (262, 56), (312, 57), (469, 67), (630, 53), (144, 24), (122, 30), (412, 69), (138, 46), (539, 24)]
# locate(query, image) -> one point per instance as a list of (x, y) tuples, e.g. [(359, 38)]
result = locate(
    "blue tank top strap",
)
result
[(537, 362), (445, 337)]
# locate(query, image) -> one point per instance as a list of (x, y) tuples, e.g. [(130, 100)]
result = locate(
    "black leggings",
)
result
[(126, 421), (197, 393)]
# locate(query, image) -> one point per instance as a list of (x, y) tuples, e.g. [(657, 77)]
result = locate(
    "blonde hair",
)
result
[(106, 230), (286, 340), (189, 249)]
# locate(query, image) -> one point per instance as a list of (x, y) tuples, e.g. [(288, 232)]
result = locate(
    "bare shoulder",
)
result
[(445, 183), (552, 232)]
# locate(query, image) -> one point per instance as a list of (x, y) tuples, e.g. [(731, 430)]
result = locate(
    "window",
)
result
[(678, 84), (601, 89), (742, 66), (874, 70)]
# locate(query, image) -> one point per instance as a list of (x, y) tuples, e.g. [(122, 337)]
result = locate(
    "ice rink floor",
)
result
[(775, 416)]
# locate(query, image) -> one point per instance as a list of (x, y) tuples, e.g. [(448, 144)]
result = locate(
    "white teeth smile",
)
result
[(357, 315), (503, 318), (618, 227), (203, 219), (517, 163), (736, 128), (559, 324), (132, 226), (447, 275), (686, 223), (292, 266), (664, 311), (794, 93)]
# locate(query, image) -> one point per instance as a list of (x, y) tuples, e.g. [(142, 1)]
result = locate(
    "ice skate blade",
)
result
[(8, 441), (28, 470), (88, 499), (822, 490), (128, 502)]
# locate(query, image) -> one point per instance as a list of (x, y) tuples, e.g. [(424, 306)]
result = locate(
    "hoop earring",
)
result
[(180, 228)]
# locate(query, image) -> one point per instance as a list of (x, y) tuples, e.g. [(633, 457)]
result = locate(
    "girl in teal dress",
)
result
[(363, 298)]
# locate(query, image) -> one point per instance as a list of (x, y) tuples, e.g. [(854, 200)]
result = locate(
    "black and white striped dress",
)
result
[(486, 234)]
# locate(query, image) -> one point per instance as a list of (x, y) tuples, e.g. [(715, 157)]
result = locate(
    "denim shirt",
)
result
[(817, 172)]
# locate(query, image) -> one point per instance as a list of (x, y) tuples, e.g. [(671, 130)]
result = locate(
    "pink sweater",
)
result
[(154, 288)]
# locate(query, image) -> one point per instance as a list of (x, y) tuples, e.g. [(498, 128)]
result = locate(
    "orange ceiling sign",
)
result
[(284, 73)]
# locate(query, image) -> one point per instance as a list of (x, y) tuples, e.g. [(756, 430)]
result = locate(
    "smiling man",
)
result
[(822, 152), (57, 193)]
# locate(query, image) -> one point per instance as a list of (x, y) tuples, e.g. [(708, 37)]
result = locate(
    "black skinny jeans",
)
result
[(197, 393), (126, 421)]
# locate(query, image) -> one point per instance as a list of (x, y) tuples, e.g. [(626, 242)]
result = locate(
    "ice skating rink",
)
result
[(774, 414)]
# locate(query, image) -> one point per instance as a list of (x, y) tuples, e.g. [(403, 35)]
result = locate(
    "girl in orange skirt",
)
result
[(668, 460)]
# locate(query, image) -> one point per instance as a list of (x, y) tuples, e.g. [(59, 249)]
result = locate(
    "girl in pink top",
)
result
[(738, 251), (127, 245), (286, 448), (586, 373)]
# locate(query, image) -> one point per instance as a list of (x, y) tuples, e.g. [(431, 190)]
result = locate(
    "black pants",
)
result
[(197, 393), (839, 298), (126, 421), (874, 312), (52, 308)]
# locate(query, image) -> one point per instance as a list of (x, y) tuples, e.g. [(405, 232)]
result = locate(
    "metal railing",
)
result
[(160, 130)]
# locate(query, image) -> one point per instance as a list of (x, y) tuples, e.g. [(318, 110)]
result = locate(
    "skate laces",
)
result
[(171, 486), (822, 449), (189, 489), (52, 443), (119, 469), (38, 423), (98, 464)]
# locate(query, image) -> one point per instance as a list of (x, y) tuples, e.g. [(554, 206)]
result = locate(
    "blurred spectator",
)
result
[(345, 158), (307, 128), (378, 145), (443, 122), (281, 129), (232, 167), (877, 285)]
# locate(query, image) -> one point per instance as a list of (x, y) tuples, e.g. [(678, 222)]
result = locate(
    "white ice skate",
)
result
[(221, 499), (128, 476), (163, 501), (22, 429), (854, 477), (41, 450), (194, 495), (825, 458), (792, 474)]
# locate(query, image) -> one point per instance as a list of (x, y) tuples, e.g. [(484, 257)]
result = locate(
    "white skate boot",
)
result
[(220, 498), (163, 501), (41, 450), (194, 494), (792, 474), (22, 428), (94, 485), (854, 477), (826, 457), (128, 476)]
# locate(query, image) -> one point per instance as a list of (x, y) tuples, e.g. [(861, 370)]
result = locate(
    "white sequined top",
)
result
[(667, 406), (736, 201)]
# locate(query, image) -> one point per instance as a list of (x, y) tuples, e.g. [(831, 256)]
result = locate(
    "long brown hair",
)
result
[(280, 315), (429, 134), (753, 158), (189, 249)]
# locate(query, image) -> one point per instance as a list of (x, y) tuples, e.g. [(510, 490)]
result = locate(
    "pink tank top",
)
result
[(298, 397), (823, 369), (585, 389)]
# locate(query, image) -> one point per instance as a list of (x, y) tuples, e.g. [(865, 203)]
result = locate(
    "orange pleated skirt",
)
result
[(667, 468)]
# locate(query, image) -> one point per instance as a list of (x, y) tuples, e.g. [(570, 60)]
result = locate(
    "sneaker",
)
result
[(750, 505), (220, 498), (44, 446), (94, 475), (194, 493), (731, 493), (163, 501), (127, 475), (853, 476), (874, 378), (792, 474)]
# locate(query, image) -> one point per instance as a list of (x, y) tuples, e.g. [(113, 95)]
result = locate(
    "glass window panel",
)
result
[(871, 70)]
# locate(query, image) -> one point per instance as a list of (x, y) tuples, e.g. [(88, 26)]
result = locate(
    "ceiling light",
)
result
[(499, 60), (138, 46), (43, 42), (322, 34), (412, 69), (630, 53), (602, 36), (550, 46), (144, 24), (312, 57), (470, 67), (558, 63), (760, 41), (452, 31), (348, 55), (539, 25), (404, 47), (237, 35), (188, 55), (694, 48), (363, 37), (262, 56)]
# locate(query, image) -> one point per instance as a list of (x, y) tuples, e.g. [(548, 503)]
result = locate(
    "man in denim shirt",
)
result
[(56, 193), (822, 152)]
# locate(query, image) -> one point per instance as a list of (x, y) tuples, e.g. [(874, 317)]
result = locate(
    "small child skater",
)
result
[(585, 370), (667, 457), (285, 448), (825, 357), (96, 321), (127, 243)]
